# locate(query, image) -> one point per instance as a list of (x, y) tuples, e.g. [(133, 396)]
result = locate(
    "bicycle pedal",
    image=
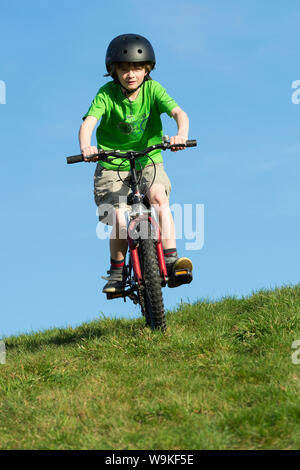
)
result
[(182, 276), (114, 295), (180, 273)]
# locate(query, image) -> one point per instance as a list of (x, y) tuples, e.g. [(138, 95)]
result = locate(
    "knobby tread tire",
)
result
[(152, 295)]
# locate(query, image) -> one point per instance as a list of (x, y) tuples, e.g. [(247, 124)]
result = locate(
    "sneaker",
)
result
[(179, 271), (170, 261), (115, 282)]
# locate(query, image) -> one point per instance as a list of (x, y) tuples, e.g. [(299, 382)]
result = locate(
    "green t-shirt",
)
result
[(130, 125)]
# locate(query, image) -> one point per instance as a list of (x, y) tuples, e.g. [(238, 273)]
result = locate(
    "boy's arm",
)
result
[(182, 121), (85, 136)]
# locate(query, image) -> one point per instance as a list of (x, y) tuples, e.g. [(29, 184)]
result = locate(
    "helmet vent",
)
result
[(125, 51), (140, 51)]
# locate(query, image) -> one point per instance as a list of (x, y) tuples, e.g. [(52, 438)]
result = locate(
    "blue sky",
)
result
[(230, 65)]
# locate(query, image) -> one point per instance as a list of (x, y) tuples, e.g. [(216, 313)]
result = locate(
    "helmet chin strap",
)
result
[(129, 92)]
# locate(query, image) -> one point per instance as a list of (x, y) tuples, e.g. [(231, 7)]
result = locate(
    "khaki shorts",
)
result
[(110, 191)]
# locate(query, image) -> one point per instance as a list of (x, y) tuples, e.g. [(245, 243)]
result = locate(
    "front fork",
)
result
[(132, 236)]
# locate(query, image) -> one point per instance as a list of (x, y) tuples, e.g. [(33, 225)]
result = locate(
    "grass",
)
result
[(221, 377)]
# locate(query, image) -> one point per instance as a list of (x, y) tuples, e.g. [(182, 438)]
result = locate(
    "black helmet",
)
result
[(129, 48)]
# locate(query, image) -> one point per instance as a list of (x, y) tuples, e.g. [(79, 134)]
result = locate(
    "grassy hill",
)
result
[(221, 377)]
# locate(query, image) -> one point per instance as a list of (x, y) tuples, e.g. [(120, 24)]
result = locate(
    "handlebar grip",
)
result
[(191, 143), (75, 159)]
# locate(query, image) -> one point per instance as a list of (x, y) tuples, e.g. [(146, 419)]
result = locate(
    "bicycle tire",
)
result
[(152, 303)]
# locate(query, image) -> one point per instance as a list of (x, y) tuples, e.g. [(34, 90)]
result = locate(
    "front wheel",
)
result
[(152, 299)]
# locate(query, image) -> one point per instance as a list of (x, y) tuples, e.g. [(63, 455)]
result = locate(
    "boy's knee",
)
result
[(119, 229), (120, 217), (159, 199)]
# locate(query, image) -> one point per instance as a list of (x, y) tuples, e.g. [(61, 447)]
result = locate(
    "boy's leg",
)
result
[(111, 196), (118, 236), (158, 198), (118, 248)]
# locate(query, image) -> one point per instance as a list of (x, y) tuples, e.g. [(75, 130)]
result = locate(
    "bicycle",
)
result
[(145, 272)]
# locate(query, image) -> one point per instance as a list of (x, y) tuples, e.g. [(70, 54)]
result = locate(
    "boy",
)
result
[(130, 108)]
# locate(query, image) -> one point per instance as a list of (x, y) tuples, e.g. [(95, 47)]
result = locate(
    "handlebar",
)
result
[(102, 154)]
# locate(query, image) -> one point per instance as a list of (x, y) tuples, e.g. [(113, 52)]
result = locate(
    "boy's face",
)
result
[(130, 75)]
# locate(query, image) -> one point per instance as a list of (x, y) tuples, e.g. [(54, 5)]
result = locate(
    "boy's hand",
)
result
[(177, 139), (90, 150)]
